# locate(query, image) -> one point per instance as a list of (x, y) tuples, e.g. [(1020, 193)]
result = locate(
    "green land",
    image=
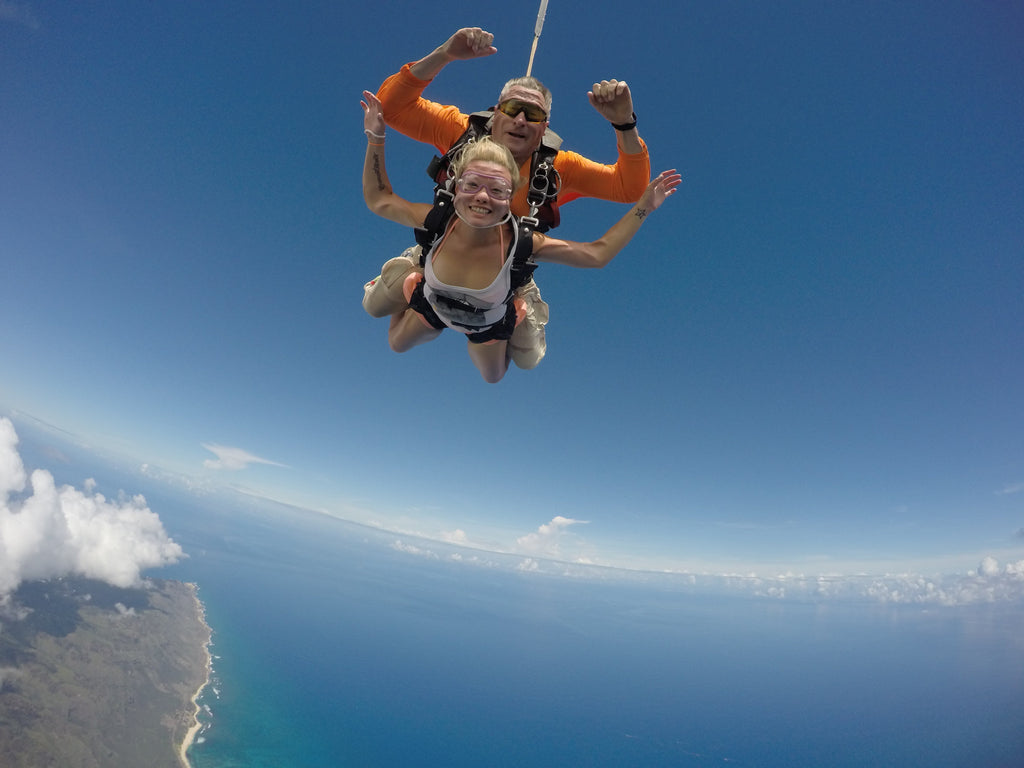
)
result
[(93, 676)]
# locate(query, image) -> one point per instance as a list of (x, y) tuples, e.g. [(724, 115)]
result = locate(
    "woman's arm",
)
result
[(598, 253), (377, 192)]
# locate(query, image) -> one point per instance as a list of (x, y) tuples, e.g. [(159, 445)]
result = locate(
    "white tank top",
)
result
[(469, 310)]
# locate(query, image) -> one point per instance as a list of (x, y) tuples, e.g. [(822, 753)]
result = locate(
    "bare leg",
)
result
[(407, 330), (490, 359)]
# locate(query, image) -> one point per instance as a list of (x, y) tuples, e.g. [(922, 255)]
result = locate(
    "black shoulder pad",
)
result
[(479, 125)]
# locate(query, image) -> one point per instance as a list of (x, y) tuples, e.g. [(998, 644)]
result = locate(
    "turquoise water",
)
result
[(334, 649)]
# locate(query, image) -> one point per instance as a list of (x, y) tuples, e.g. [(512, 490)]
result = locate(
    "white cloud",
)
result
[(989, 567), (12, 471), (1012, 488), (232, 458), (990, 583), (547, 540), (412, 549), (56, 532), (458, 536)]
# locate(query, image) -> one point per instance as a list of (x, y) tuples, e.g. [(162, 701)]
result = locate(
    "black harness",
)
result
[(545, 182), (542, 196), (520, 273)]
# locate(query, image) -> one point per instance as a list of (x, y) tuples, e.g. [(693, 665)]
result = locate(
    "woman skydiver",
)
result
[(466, 282)]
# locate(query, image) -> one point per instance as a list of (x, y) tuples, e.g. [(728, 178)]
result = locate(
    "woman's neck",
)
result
[(473, 235)]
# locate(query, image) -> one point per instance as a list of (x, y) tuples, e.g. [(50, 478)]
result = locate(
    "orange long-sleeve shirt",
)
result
[(409, 113)]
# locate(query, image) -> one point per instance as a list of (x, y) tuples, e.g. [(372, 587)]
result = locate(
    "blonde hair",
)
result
[(486, 150), (528, 82)]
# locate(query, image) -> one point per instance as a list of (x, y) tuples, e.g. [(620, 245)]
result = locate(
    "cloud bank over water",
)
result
[(547, 540), (58, 531), (53, 532), (990, 582)]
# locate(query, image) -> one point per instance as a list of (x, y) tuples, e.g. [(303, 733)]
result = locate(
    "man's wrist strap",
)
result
[(625, 126)]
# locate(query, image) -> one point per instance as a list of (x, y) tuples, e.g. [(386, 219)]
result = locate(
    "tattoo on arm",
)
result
[(640, 213), (376, 171)]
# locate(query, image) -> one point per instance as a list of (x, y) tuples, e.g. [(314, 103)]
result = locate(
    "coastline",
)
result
[(104, 675), (194, 728)]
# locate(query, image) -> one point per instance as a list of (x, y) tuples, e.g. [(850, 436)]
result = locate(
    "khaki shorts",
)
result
[(383, 296), (528, 343)]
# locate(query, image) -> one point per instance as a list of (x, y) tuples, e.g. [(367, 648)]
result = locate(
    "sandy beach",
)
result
[(193, 729)]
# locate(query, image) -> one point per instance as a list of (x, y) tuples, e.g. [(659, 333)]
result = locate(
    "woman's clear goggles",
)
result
[(495, 187)]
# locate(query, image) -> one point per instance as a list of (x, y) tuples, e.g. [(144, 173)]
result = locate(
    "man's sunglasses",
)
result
[(513, 107)]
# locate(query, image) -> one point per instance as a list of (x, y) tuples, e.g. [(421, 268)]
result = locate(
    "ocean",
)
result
[(336, 647), (339, 645)]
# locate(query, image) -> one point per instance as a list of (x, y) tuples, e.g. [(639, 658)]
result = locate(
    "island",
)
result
[(95, 676)]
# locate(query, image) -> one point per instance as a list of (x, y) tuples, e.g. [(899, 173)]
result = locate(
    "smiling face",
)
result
[(479, 192), (517, 133)]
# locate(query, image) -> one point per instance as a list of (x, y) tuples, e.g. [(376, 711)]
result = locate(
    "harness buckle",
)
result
[(545, 183)]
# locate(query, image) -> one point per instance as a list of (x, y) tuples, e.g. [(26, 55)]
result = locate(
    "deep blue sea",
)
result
[(335, 648)]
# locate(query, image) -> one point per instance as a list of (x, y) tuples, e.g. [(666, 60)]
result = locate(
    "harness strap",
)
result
[(545, 182), (500, 331), (542, 196), (523, 264), (436, 221), (418, 303), (479, 125), (520, 273)]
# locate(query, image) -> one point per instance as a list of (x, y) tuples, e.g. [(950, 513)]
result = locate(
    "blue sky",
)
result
[(810, 358)]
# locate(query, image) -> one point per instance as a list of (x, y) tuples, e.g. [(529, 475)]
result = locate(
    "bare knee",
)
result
[(493, 376), (408, 330), (490, 359), (398, 345)]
